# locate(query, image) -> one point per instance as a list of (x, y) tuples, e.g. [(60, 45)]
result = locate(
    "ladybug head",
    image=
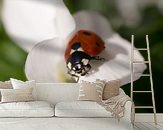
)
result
[(78, 64)]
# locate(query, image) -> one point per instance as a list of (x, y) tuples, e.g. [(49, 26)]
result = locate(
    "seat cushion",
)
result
[(80, 109), (26, 109)]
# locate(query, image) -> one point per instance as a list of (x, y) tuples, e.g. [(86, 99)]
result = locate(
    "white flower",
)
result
[(45, 62), (31, 21)]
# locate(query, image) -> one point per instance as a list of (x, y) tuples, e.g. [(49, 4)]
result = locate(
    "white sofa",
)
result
[(65, 92)]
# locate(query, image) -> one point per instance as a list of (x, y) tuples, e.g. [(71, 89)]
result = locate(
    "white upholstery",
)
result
[(18, 84), (67, 92), (26, 109), (58, 92), (80, 109), (62, 124), (64, 92)]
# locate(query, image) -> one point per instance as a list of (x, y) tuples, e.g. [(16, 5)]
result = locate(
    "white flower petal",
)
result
[(117, 62), (94, 22), (45, 62), (31, 21)]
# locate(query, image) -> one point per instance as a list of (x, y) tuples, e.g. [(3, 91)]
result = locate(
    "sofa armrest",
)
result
[(128, 108), (126, 119), (128, 111)]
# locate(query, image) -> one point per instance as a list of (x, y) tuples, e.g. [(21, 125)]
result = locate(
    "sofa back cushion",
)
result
[(59, 92), (111, 89)]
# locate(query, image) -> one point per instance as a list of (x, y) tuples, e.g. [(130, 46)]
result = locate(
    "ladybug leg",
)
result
[(97, 58)]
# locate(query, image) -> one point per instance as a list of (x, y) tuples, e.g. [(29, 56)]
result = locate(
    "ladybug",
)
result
[(83, 47)]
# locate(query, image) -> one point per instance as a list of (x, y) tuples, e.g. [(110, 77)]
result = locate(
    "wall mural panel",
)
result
[(73, 41)]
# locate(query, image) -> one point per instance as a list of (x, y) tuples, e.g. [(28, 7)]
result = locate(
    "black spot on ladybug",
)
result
[(76, 46), (97, 44), (87, 33)]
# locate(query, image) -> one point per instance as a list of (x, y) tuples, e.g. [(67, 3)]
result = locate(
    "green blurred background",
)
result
[(12, 58)]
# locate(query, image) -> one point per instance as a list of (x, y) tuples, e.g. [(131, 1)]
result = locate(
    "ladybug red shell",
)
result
[(90, 42)]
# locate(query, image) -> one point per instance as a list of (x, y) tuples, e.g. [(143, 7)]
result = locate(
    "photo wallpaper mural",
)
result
[(48, 41)]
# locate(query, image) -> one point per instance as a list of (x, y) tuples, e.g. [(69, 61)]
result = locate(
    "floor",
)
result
[(148, 126)]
